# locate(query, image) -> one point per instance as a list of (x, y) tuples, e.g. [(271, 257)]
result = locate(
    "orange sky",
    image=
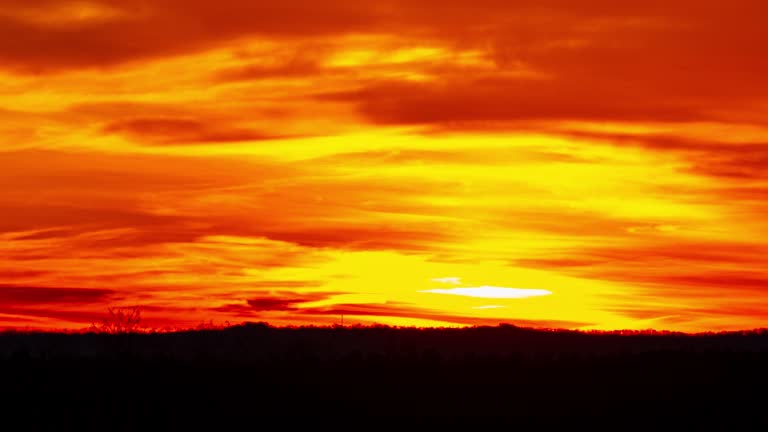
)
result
[(427, 162)]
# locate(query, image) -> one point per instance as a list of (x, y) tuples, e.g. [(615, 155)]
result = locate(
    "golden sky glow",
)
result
[(596, 166)]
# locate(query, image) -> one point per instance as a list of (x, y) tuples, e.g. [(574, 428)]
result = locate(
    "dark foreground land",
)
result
[(255, 371)]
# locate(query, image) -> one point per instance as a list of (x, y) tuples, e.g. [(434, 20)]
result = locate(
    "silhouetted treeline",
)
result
[(259, 341), (257, 370)]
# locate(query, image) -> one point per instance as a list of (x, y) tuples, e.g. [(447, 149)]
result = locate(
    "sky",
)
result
[(557, 164)]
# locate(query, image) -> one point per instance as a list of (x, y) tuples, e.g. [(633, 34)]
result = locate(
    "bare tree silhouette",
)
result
[(120, 320)]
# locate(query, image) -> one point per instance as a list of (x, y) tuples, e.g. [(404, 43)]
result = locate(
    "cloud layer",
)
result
[(298, 161)]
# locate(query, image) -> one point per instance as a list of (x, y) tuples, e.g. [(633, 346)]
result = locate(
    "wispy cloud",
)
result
[(448, 280), (487, 291)]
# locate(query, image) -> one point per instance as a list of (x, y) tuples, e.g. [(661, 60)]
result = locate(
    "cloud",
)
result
[(287, 301), (448, 280), (156, 29), (293, 68), (175, 131), (7, 274), (487, 291), (12, 295), (298, 307), (403, 310), (611, 64), (96, 193), (714, 157), (467, 156), (668, 279), (601, 60), (270, 304), (285, 283), (41, 216), (652, 252), (361, 238), (278, 300), (456, 101), (82, 316)]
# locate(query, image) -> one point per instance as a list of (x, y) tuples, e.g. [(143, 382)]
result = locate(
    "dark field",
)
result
[(254, 371)]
